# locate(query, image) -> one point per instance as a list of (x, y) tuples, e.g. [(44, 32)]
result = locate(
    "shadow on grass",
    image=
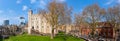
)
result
[(62, 35), (1, 39)]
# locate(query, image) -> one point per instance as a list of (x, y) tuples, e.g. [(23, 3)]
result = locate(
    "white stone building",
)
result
[(38, 22)]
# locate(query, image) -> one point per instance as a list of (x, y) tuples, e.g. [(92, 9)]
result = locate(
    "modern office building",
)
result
[(22, 21), (6, 22)]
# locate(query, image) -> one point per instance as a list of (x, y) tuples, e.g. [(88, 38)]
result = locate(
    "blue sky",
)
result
[(13, 9)]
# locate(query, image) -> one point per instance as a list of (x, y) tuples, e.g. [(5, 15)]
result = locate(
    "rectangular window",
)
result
[(37, 27), (42, 27), (47, 26)]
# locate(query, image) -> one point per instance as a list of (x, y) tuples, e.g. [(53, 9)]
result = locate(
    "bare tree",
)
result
[(52, 18), (80, 22), (64, 18), (57, 14), (92, 16), (113, 17)]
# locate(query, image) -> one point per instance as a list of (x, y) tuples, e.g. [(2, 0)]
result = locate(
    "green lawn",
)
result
[(59, 37)]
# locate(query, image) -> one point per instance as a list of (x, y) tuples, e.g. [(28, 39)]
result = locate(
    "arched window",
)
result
[(32, 27)]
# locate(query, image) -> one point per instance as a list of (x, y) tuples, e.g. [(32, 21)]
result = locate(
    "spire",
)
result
[(30, 11)]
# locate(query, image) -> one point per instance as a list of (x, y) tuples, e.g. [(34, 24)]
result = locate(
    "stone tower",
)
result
[(30, 12)]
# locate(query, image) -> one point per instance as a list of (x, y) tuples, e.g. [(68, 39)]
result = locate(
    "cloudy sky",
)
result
[(13, 9)]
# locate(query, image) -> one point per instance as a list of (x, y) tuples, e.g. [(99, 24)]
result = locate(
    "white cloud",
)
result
[(25, 8), (18, 1), (42, 2), (61, 0), (32, 1), (109, 2), (118, 1), (1, 11), (11, 11), (112, 1)]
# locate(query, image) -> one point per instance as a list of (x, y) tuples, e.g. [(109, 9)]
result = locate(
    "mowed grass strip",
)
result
[(26, 37)]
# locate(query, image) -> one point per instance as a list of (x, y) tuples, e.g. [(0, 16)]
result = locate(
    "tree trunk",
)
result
[(52, 34)]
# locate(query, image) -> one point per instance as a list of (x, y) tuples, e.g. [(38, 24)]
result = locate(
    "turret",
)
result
[(30, 12)]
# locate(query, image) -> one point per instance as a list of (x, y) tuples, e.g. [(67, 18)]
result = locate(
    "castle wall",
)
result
[(37, 22)]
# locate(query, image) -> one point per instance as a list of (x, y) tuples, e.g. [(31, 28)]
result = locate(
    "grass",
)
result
[(59, 37)]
